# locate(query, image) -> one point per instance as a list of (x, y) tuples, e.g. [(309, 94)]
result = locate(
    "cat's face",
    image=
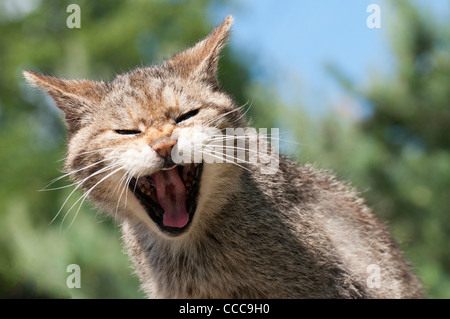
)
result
[(123, 135)]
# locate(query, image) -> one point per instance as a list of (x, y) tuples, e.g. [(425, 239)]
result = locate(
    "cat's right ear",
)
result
[(74, 97)]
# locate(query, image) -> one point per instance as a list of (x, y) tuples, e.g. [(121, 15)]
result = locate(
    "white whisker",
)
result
[(220, 117), (126, 178), (98, 150), (79, 184), (86, 194), (226, 160), (68, 174)]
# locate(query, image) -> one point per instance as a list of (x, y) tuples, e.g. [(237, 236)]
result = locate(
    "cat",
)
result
[(222, 229)]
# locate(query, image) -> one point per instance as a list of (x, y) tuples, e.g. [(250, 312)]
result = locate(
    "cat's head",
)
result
[(122, 133)]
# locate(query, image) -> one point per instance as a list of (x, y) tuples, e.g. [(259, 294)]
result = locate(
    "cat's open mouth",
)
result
[(170, 196)]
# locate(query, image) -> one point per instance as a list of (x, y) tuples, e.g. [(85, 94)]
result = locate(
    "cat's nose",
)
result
[(164, 147)]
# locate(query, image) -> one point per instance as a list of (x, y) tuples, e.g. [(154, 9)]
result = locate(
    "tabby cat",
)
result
[(224, 228)]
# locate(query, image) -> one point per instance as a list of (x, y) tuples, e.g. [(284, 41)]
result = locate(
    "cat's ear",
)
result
[(200, 61), (74, 97)]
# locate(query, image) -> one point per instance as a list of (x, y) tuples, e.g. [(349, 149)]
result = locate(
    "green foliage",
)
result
[(399, 156), (410, 120)]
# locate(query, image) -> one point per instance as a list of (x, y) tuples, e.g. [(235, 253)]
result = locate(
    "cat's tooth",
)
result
[(144, 182)]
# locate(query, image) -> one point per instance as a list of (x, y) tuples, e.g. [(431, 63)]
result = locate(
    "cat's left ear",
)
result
[(200, 61)]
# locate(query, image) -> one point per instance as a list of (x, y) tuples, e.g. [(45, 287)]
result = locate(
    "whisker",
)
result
[(125, 180), (86, 194), (57, 188), (244, 113), (130, 176), (220, 116), (120, 182), (215, 147), (91, 152), (240, 148), (68, 174), (226, 160), (231, 137), (79, 184)]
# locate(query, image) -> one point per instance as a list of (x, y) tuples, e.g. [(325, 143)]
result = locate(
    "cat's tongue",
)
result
[(171, 195)]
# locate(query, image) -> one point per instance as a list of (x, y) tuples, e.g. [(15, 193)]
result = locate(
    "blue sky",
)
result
[(293, 40)]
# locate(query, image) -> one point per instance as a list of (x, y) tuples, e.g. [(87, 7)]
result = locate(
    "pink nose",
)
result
[(163, 148)]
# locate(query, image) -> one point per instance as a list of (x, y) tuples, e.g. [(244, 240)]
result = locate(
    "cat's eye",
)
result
[(186, 116), (128, 132)]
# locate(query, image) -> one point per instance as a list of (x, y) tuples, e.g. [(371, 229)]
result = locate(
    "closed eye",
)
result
[(128, 132), (186, 116)]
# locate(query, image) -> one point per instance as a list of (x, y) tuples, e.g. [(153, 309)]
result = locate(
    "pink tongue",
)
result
[(171, 195)]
